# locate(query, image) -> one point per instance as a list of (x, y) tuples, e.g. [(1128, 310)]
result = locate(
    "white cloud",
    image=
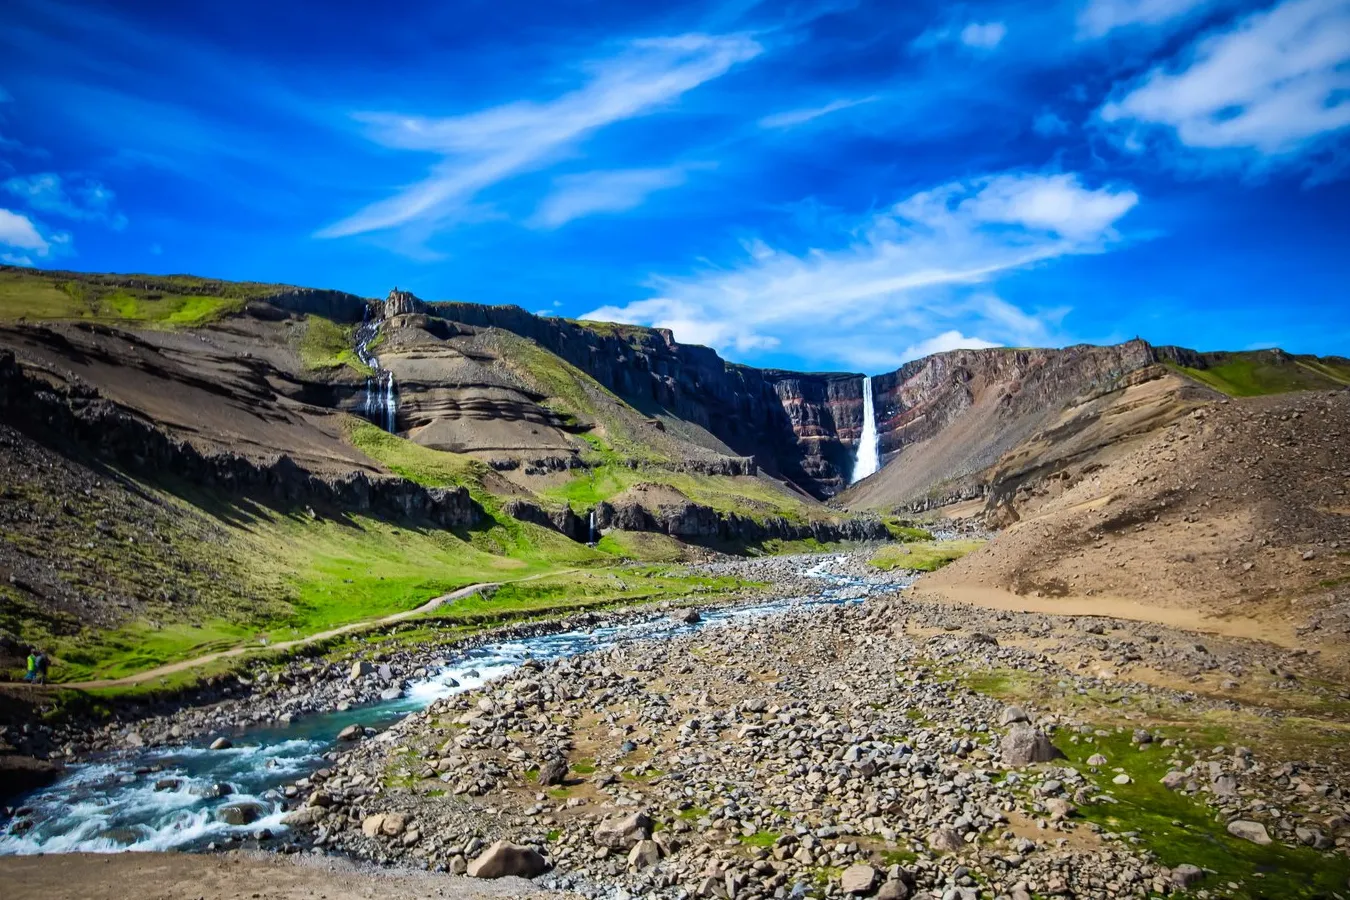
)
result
[(19, 232), (913, 274), (588, 193), (793, 117), (985, 36), (1272, 86), (88, 201), (1049, 124), (492, 145), (944, 342), (1100, 17)]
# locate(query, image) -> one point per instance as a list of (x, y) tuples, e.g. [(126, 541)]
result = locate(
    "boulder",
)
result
[(553, 771), (1174, 780), (1012, 715), (1185, 875), (1249, 831), (303, 817), (895, 889), (1023, 745), (394, 824), (239, 813), (351, 733), (504, 858), (371, 825), (644, 855), (360, 670), (623, 834), (858, 879), (687, 616), (221, 744), (945, 840)]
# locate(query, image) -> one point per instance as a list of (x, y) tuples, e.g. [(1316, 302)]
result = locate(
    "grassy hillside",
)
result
[(174, 301), (1258, 372), (324, 344)]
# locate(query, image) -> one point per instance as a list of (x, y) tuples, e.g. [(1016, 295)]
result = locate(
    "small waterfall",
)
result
[(868, 458), (380, 404), (591, 534)]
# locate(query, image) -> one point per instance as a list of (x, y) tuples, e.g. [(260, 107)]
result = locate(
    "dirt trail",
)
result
[(196, 661), (233, 876), (1111, 608)]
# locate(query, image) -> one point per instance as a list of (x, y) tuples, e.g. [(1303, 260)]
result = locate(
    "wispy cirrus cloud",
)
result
[(1265, 90), (588, 193), (87, 200), (917, 278), (1100, 17), (794, 117), (490, 146), (975, 35)]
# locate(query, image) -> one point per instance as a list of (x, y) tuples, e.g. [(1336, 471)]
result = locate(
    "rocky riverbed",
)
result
[(855, 750)]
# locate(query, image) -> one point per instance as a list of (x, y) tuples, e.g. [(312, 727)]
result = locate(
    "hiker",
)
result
[(43, 663), (32, 673)]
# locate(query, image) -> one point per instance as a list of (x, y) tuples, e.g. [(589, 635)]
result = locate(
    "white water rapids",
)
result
[(868, 458)]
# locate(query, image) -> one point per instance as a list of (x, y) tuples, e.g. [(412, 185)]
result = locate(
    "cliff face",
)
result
[(825, 413), (796, 426), (925, 396)]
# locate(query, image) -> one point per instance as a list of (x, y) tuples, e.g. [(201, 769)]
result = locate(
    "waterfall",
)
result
[(380, 404), (868, 458), (591, 533)]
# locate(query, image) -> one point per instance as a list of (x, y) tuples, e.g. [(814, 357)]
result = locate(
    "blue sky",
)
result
[(837, 185)]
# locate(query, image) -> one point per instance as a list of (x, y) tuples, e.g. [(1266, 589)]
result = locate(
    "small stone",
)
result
[(1122, 778), (360, 670), (1097, 759), (1173, 780)]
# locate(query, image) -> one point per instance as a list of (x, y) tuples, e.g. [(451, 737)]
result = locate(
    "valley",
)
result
[(433, 576)]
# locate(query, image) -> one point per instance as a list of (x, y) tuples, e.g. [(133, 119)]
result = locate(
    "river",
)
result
[(172, 797)]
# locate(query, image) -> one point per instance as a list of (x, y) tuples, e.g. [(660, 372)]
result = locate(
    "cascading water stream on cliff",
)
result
[(868, 458), (381, 401)]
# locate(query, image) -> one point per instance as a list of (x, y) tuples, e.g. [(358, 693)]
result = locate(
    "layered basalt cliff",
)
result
[(923, 397), (794, 425), (76, 414)]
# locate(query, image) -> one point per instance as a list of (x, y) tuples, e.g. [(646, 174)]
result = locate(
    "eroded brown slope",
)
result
[(945, 419), (1237, 509)]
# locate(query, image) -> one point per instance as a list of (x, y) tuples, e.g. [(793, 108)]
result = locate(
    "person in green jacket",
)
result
[(32, 673)]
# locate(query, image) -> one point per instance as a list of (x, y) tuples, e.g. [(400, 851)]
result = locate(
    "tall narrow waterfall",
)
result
[(381, 400), (868, 459)]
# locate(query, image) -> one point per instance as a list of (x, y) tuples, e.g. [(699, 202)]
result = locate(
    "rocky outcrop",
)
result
[(696, 523), (336, 305), (564, 521), (78, 414)]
